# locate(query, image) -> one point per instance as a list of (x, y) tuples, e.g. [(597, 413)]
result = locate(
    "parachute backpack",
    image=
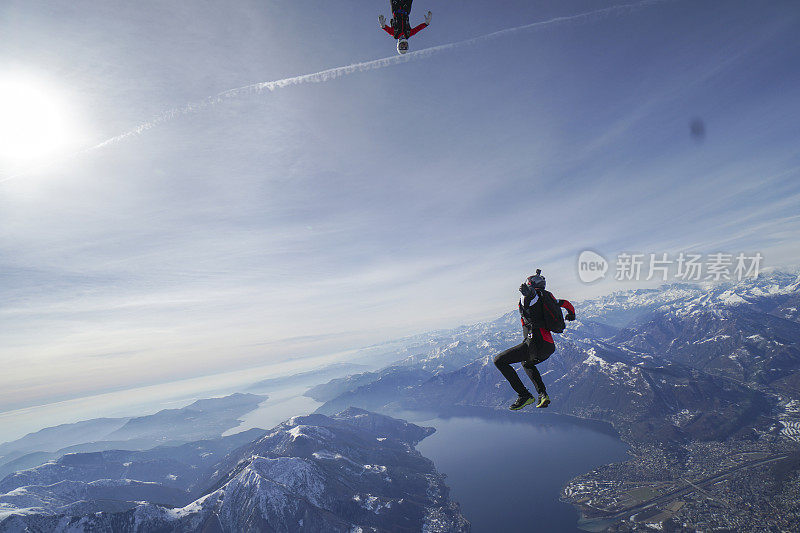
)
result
[(552, 316)]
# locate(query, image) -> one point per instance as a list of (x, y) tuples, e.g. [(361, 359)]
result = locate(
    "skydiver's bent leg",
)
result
[(542, 347), (503, 361), (400, 12), (404, 6), (536, 377)]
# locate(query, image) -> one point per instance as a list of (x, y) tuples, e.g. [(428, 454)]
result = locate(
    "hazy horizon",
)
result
[(197, 386)]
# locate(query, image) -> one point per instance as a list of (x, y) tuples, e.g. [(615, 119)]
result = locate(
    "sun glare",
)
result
[(35, 121)]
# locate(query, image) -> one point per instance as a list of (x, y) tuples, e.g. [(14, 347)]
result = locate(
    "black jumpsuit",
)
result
[(533, 350), (400, 11), (537, 346)]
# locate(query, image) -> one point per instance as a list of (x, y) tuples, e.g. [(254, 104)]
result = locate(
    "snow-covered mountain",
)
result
[(115, 480), (748, 332), (350, 472)]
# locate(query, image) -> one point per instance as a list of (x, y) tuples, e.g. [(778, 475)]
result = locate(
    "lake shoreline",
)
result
[(568, 447)]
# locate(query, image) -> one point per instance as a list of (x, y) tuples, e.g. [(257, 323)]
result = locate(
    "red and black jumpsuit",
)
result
[(400, 28), (537, 346), (406, 34)]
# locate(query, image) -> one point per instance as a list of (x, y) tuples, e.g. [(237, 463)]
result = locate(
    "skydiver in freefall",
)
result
[(399, 27), (540, 314)]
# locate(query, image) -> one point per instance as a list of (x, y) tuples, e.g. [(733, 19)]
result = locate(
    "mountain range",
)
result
[(354, 471), (678, 371), (675, 363), (202, 419)]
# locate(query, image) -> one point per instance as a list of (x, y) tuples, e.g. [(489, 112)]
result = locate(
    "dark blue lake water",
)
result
[(507, 469)]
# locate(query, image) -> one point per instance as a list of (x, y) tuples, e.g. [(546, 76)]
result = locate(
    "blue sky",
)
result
[(329, 215)]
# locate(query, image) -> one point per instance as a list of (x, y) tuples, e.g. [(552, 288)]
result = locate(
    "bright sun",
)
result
[(34, 121)]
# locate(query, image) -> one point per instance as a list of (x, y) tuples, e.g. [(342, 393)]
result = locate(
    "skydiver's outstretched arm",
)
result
[(422, 26), (569, 307), (384, 27), (418, 28)]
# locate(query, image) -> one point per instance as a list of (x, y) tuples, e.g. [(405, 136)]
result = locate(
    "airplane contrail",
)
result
[(338, 72)]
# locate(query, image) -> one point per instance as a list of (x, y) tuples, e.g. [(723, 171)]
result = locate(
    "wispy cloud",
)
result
[(364, 66)]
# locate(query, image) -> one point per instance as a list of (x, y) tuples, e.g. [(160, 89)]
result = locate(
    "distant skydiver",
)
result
[(400, 28), (540, 313)]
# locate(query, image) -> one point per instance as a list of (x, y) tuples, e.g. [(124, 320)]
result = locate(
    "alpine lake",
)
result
[(507, 469)]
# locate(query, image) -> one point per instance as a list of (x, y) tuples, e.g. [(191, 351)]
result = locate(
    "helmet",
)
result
[(402, 46), (537, 281)]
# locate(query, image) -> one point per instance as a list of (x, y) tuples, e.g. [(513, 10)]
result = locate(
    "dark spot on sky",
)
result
[(698, 129)]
